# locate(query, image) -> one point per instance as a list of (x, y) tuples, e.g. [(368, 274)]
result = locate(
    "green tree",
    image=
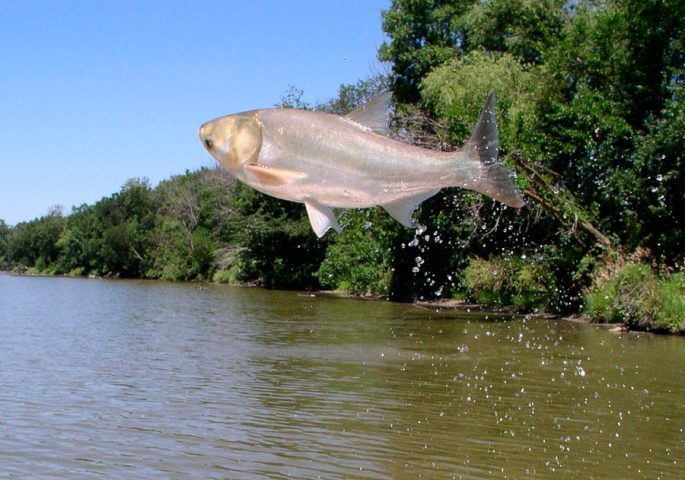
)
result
[(79, 241), (358, 260), (280, 249), (423, 34), (660, 165), (125, 221), (34, 244), (4, 248), (192, 223), (587, 114), (522, 28), (351, 96)]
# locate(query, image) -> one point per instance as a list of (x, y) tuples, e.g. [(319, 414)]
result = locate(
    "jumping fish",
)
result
[(327, 161)]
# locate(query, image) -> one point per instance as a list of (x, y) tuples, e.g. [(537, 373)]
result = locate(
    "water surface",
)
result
[(119, 379)]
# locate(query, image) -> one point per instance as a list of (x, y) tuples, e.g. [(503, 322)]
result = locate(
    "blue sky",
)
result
[(93, 93)]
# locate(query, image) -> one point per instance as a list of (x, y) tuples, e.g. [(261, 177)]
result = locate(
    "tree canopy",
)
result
[(590, 108)]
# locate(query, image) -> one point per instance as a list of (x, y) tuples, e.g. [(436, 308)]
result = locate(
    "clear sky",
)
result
[(93, 93)]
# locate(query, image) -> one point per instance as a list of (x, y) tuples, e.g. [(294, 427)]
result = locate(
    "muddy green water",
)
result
[(117, 379)]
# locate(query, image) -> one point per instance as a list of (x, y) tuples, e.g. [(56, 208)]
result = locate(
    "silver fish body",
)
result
[(326, 161)]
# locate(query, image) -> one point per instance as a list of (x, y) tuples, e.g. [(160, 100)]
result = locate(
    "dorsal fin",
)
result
[(374, 114)]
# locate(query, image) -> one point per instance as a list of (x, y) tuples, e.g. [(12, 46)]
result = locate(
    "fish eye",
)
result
[(208, 143)]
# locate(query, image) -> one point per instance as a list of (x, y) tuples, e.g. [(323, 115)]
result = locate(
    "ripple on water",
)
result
[(154, 380)]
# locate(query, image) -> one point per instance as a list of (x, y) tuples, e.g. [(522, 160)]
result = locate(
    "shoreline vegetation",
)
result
[(433, 304), (617, 324), (591, 110)]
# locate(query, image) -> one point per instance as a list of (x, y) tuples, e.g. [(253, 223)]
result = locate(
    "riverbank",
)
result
[(439, 304), (506, 310)]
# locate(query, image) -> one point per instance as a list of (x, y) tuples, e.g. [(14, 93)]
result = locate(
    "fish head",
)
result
[(234, 140)]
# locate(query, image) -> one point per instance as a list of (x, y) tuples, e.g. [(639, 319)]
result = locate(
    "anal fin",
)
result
[(403, 208), (321, 217)]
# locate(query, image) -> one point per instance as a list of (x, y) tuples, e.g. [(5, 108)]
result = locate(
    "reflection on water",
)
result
[(153, 380)]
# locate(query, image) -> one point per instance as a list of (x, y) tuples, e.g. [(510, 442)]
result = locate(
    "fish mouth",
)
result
[(202, 135), (200, 131)]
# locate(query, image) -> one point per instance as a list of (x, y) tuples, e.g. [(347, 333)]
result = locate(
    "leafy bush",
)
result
[(531, 289), (78, 272), (280, 250), (357, 260), (636, 296), (484, 281), (456, 91), (229, 276), (622, 296), (670, 304), (523, 283)]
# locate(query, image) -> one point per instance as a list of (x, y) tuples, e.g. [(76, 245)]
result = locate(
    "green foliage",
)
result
[(77, 272), (229, 276), (633, 294), (34, 243), (484, 281), (426, 259), (281, 250), (352, 96), (630, 50), (126, 220), (455, 92), (660, 162), (613, 76), (521, 282), (80, 240), (670, 304), (423, 34), (192, 224), (522, 28), (4, 247), (293, 98), (595, 157), (358, 259)]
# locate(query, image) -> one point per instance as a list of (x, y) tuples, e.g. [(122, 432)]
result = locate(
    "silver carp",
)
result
[(327, 161)]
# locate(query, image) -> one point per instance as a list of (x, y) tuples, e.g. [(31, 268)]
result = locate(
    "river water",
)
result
[(129, 379)]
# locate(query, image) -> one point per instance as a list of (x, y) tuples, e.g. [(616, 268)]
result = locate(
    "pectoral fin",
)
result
[(403, 208), (273, 176), (321, 217)]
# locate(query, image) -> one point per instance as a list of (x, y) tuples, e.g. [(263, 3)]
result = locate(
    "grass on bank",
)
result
[(519, 282), (635, 295)]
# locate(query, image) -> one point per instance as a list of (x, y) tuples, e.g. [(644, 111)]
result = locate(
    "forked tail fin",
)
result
[(495, 180)]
